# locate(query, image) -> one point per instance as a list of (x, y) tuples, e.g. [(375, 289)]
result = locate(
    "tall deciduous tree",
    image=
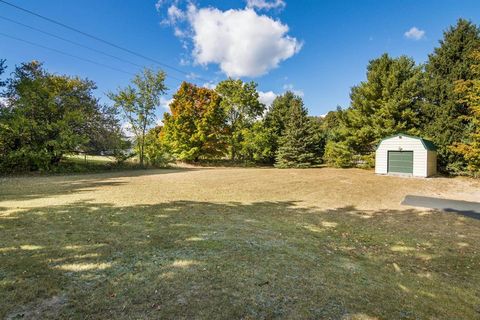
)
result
[(257, 143), (242, 107), (469, 92), (195, 127), (138, 103), (45, 117), (297, 144), (443, 113)]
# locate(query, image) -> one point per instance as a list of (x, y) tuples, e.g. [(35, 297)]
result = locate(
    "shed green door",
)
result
[(400, 161)]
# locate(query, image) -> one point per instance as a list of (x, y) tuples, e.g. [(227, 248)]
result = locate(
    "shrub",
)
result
[(337, 154)]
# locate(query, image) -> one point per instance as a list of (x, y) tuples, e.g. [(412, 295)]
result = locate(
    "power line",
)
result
[(98, 39), (69, 41), (68, 54), (78, 44), (65, 53)]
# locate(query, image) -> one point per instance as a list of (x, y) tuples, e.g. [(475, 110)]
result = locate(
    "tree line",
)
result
[(437, 100), (46, 116)]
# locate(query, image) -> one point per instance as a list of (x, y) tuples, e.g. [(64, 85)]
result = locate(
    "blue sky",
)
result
[(319, 49)]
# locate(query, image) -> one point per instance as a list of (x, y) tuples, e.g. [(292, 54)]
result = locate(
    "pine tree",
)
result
[(388, 102), (385, 104), (297, 149), (276, 118), (443, 113)]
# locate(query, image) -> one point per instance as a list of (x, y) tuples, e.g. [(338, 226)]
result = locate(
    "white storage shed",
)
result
[(406, 155)]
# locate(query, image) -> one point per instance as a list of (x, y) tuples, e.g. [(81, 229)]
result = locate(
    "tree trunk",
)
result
[(142, 144)]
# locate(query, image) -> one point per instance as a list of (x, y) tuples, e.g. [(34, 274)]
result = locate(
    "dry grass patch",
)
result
[(234, 243)]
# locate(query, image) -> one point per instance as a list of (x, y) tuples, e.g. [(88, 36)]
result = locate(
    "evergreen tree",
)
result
[(443, 113), (297, 145), (386, 103), (277, 117)]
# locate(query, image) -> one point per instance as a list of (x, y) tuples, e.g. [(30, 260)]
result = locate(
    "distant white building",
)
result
[(406, 155)]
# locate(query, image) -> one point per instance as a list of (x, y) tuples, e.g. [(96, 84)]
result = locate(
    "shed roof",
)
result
[(427, 144)]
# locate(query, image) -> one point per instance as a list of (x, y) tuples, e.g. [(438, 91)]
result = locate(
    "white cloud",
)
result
[(165, 103), (266, 97), (210, 85), (3, 101), (174, 16), (242, 42), (160, 4), (290, 87), (127, 130), (414, 34), (192, 75), (266, 4)]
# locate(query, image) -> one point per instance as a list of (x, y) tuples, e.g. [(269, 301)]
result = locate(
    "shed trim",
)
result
[(427, 144)]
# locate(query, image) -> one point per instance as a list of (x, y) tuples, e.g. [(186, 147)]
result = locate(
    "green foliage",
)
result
[(138, 103), (330, 124), (386, 103), (196, 126), (241, 107), (105, 135), (257, 143), (338, 154), (318, 137), (277, 117), (3, 67), (156, 152), (45, 117), (297, 144), (443, 113), (469, 91)]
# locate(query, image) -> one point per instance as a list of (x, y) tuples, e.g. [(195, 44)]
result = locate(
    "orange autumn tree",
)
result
[(469, 91), (195, 128)]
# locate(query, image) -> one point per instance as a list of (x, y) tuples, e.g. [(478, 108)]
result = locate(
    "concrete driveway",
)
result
[(466, 208)]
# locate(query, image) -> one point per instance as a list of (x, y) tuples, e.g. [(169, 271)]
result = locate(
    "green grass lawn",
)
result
[(79, 163), (182, 244)]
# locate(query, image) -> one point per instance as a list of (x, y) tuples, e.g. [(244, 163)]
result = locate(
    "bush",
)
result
[(338, 154), (156, 153)]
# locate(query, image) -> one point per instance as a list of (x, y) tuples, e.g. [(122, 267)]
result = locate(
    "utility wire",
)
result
[(69, 55), (78, 44), (65, 53), (98, 39)]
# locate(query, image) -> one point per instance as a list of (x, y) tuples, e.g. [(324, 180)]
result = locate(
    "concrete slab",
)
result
[(466, 208)]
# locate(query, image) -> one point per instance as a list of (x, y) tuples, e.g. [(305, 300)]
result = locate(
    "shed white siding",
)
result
[(424, 161)]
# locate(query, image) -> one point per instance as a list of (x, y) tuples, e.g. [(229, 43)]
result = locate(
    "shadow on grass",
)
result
[(188, 259), (42, 187)]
